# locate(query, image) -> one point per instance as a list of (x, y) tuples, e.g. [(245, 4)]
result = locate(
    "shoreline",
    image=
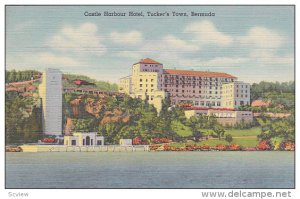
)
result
[(130, 148)]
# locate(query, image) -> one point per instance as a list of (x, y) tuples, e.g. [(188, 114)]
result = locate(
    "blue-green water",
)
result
[(150, 170)]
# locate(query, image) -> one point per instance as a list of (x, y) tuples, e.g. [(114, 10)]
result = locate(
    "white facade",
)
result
[(125, 85), (224, 117), (84, 139), (144, 83), (50, 91), (235, 94)]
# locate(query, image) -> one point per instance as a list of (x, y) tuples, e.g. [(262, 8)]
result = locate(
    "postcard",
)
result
[(150, 96)]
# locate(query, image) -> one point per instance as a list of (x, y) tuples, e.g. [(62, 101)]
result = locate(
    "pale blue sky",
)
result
[(254, 43)]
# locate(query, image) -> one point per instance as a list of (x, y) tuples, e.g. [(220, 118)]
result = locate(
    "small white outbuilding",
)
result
[(125, 142), (84, 139)]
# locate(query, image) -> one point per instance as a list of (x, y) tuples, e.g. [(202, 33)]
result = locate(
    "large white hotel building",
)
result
[(195, 88)]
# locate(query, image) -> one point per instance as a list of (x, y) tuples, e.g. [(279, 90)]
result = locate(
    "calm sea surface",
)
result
[(150, 170)]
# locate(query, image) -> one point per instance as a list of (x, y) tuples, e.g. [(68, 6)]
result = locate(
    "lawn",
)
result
[(181, 129), (244, 132), (254, 131), (245, 142)]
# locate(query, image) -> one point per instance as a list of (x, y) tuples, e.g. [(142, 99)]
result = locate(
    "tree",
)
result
[(197, 135), (277, 128), (228, 138), (219, 130)]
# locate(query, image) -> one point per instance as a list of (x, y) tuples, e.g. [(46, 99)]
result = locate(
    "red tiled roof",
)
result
[(197, 73), (147, 61)]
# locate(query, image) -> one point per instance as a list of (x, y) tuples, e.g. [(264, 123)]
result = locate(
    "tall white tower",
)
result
[(50, 91)]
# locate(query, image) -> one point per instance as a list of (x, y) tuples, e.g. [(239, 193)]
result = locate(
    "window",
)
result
[(99, 142), (83, 142), (218, 103), (151, 85), (152, 80), (141, 85), (73, 142)]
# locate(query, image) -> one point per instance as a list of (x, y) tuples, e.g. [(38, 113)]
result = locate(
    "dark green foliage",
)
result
[(197, 134), (280, 95), (18, 76), (21, 126), (219, 130), (277, 128), (228, 138), (263, 88)]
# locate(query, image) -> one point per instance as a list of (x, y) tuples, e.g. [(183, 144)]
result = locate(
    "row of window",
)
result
[(194, 96), (177, 77), (151, 85), (193, 91), (150, 70), (208, 103), (152, 80)]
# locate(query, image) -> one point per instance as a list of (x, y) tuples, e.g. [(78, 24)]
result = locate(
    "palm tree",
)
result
[(219, 130)]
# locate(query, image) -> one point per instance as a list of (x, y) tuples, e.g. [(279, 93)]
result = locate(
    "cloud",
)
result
[(205, 32), (79, 40), (272, 59), (22, 27), (129, 54), (227, 61), (169, 47), (55, 60), (263, 38), (127, 38), (179, 44), (214, 62)]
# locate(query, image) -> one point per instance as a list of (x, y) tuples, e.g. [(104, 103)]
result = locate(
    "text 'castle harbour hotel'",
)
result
[(214, 93)]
